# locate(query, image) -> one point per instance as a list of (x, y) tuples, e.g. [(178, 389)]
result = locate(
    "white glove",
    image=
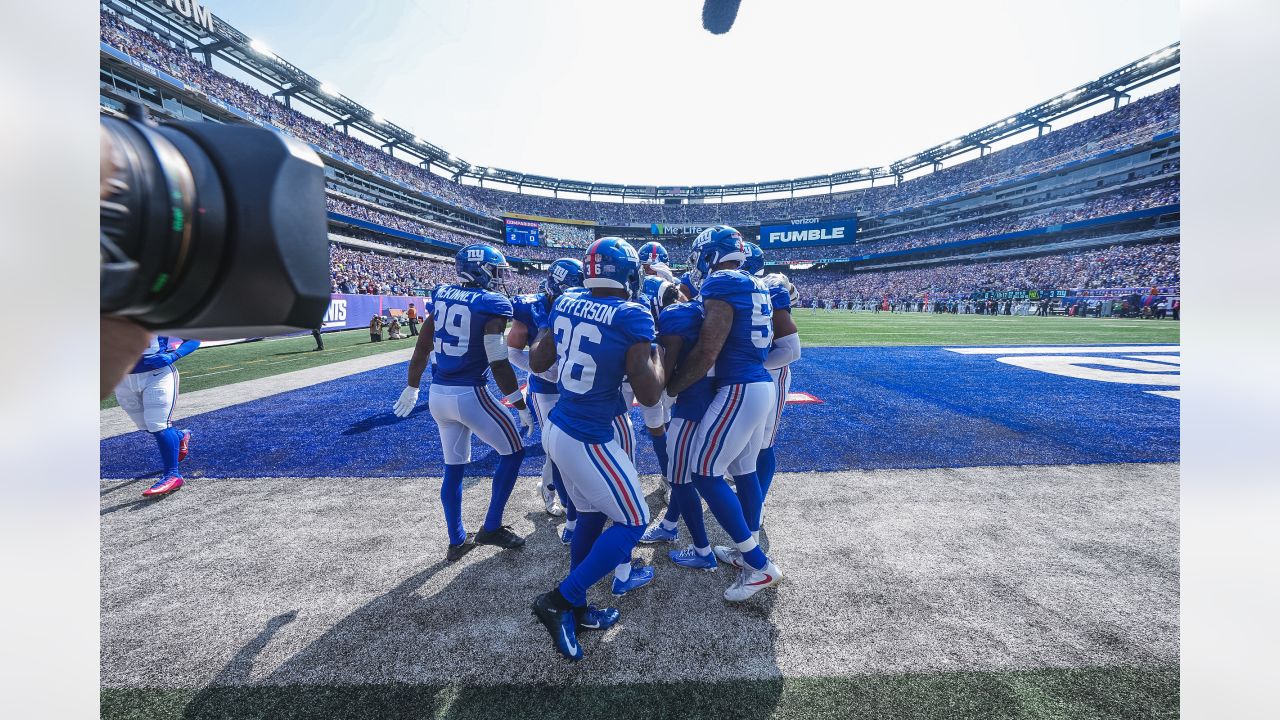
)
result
[(526, 419), (663, 272), (408, 399)]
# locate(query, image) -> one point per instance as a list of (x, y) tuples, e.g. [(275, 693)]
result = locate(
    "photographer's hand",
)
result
[(120, 344)]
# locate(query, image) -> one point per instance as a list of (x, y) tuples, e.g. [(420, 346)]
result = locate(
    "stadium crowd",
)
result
[(147, 47), (1135, 122), (365, 272), (1115, 266)]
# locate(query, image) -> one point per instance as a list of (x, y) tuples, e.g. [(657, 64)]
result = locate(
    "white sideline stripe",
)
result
[(114, 421), (1065, 350)]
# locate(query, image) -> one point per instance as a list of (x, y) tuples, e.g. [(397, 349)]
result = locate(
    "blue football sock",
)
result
[(612, 548), (672, 516), (504, 479), (751, 499), (169, 439), (766, 464), (660, 449), (725, 506), (570, 512), (590, 525), (686, 496), (451, 499)]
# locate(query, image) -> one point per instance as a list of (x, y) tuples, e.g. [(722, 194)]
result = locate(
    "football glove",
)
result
[(526, 419), (664, 272), (408, 399)]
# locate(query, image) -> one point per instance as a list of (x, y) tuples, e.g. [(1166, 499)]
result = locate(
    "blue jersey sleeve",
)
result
[(522, 310), (780, 298)]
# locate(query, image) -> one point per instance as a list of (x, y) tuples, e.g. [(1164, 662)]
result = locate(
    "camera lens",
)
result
[(217, 231), (167, 215)]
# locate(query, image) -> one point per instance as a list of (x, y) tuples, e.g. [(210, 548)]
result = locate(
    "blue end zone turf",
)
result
[(882, 408)]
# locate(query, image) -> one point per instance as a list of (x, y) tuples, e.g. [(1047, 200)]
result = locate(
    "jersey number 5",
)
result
[(761, 322), (455, 321), (577, 368)]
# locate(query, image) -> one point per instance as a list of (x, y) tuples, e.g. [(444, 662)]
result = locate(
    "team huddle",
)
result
[(705, 356)]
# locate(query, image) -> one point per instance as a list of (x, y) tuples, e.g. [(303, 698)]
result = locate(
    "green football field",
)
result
[(226, 364)]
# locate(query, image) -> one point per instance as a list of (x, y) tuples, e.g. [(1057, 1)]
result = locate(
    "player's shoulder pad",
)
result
[(494, 303), (679, 316), (726, 282), (636, 318)]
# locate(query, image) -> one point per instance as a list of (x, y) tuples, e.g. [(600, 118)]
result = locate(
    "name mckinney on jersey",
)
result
[(586, 308), (451, 292)]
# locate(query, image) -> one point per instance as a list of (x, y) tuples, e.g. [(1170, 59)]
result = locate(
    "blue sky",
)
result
[(638, 92)]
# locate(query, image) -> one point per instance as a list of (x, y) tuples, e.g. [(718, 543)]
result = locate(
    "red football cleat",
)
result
[(184, 447), (163, 487)]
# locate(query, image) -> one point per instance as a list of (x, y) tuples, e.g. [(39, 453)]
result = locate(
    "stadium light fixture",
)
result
[(329, 89), (376, 118)]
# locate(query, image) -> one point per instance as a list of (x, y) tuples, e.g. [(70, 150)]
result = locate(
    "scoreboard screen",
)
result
[(522, 232)]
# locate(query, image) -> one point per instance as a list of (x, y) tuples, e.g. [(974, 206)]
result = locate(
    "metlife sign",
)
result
[(809, 231)]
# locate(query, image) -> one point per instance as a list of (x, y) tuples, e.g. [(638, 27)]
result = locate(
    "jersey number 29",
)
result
[(455, 321)]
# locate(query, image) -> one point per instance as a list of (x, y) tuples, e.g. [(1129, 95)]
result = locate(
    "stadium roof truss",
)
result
[(292, 83)]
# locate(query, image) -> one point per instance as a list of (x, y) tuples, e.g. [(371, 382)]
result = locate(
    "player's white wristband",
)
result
[(513, 397)]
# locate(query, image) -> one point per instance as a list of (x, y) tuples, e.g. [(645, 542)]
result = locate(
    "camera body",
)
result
[(213, 231)]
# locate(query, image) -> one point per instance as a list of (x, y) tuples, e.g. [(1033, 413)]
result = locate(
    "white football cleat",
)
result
[(729, 556), (751, 581), (550, 501)]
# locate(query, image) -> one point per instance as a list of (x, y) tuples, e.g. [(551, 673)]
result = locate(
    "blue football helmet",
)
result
[(563, 274), (713, 246), (653, 252), (611, 262), (664, 294), (481, 265), (754, 264)]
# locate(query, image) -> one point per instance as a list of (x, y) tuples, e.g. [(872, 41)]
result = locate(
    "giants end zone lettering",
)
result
[(193, 11), (809, 231), (336, 315)]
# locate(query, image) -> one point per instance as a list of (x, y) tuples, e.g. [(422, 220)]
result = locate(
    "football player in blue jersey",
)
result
[(678, 328), (784, 351), (463, 337), (736, 334), (656, 291), (596, 338), (148, 394), (563, 274)]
